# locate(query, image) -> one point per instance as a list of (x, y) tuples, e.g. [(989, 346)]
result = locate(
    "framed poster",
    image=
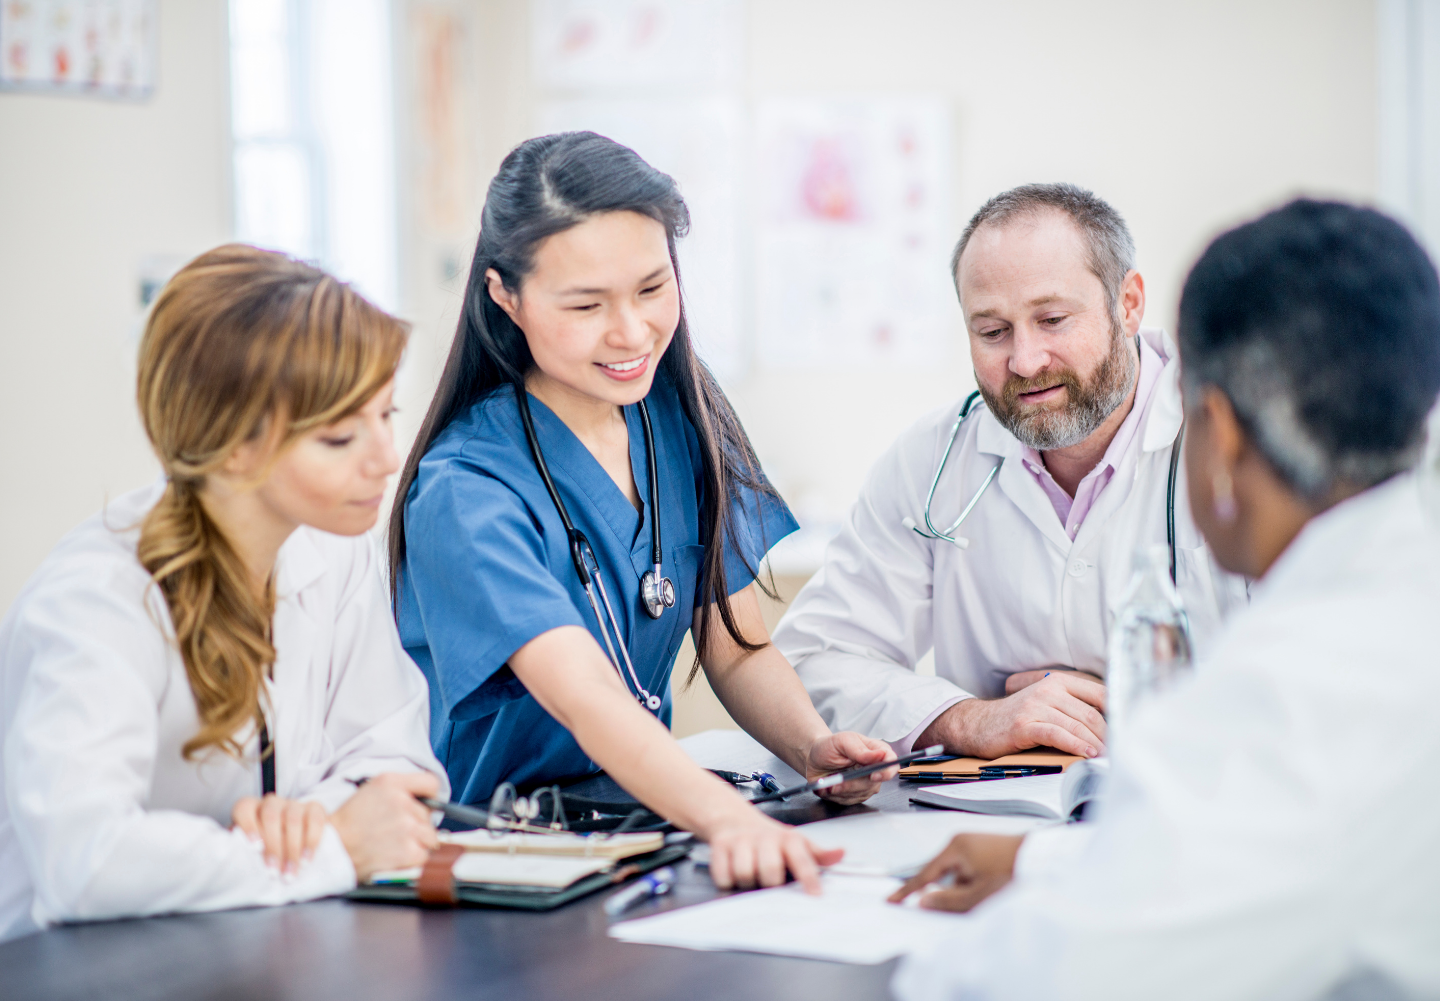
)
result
[(105, 48), (852, 232)]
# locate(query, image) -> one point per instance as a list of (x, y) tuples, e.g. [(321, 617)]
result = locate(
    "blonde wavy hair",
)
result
[(241, 344)]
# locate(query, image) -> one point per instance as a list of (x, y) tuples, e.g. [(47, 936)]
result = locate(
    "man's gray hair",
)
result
[(1112, 249)]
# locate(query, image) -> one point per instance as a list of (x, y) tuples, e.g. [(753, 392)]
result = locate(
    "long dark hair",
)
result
[(544, 186)]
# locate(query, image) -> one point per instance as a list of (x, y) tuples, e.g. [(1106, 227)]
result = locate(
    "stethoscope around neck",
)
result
[(657, 593), (930, 531)]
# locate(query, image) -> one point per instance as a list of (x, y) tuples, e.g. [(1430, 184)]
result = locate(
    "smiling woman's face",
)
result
[(599, 308)]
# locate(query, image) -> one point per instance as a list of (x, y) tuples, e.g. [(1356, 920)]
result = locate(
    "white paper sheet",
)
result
[(1029, 794), (737, 751), (850, 923), (899, 844)]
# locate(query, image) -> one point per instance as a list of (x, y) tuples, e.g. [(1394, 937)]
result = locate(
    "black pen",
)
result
[(454, 811), (836, 779)]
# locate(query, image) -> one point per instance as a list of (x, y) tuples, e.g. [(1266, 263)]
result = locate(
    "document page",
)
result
[(737, 751), (1035, 795), (899, 844), (850, 923)]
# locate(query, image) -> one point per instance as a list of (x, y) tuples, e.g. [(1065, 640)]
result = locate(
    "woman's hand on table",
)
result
[(838, 752), (977, 865), (289, 830), (749, 849), (383, 826)]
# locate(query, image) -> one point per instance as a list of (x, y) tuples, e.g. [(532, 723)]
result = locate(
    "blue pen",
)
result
[(654, 884)]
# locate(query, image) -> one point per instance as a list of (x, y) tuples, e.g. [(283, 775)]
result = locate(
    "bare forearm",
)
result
[(761, 693), (638, 752), (572, 680)]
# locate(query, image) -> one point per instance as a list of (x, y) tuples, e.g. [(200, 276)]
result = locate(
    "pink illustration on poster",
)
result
[(104, 48)]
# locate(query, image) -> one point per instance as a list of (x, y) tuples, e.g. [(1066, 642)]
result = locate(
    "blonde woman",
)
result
[(204, 640)]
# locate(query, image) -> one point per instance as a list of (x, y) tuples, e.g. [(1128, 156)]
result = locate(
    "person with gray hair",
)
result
[(1068, 468), (1268, 830)]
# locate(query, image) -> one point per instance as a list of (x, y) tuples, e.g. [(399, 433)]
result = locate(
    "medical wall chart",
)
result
[(104, 48), (585, 45), (852, 232), (662, 77)]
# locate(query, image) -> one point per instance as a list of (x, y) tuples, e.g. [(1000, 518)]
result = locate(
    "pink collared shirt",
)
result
[(1072, 511)]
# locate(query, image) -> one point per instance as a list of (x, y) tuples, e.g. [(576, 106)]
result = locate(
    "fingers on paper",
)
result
[(955, 898), (804, 861), (953, 860)]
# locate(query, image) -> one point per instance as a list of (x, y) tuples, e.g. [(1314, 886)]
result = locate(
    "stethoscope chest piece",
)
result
[(657, 593)]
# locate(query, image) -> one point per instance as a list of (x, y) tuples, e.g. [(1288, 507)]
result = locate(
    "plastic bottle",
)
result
[(1150, 643)]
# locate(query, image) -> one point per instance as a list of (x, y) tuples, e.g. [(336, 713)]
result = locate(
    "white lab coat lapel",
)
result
[(1018, 483), (293, 705)]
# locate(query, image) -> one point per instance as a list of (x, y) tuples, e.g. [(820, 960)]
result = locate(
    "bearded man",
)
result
[(1067, 472)]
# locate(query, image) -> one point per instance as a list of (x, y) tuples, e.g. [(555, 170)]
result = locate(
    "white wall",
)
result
[(1186, 116), (88, 189)]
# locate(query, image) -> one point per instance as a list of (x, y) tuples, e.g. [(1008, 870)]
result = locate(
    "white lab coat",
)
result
[(1270, 830), (101, 816), (1022, 596)]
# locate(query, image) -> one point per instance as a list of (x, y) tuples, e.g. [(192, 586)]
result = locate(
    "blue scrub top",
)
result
[(487, 569)]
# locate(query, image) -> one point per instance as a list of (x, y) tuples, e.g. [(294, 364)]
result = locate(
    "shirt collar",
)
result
[(298, 565)]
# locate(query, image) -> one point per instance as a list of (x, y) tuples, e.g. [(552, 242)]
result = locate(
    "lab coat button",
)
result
[(1077, 568)]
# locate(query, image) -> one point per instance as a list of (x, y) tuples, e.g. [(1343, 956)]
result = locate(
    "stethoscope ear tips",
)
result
[(653, 703)]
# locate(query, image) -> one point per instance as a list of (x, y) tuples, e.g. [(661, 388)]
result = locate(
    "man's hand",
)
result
[(1062, 711), (838, 752), (1024, 679), (978, 864)]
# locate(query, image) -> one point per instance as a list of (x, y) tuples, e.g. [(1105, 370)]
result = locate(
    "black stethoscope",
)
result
[(657, 593)]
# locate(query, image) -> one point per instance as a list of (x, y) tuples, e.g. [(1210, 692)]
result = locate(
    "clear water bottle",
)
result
[(1150, 643)]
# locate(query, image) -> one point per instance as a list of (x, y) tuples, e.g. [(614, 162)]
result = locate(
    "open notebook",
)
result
[(533, 872), (1050, 797)]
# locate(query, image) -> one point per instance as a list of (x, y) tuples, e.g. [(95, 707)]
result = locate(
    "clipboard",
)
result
[(1044, 761), (437, 886)]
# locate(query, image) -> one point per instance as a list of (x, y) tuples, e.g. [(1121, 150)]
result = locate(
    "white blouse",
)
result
[(101, 816)]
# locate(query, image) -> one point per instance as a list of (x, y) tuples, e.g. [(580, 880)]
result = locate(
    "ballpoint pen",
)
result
[(830, 781), (653, 884), (471, 815)]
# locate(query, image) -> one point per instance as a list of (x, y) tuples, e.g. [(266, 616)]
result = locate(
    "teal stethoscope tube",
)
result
[(931, 532)]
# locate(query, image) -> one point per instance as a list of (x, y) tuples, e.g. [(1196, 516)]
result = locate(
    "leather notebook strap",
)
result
[(436, 885)]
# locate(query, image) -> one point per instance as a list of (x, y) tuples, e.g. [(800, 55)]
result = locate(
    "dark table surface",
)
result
[(351, 951)]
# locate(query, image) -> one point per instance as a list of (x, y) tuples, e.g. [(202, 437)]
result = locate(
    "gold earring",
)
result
[(1223, 489)]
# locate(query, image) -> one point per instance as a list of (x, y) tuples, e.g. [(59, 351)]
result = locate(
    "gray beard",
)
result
[(1086, 411)]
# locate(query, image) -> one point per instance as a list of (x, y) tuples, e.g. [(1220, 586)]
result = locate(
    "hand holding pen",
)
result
[(846, 753), (878, 771), (384, 826)]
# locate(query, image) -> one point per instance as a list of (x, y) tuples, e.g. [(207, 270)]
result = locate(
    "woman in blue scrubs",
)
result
[(573, 312)]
